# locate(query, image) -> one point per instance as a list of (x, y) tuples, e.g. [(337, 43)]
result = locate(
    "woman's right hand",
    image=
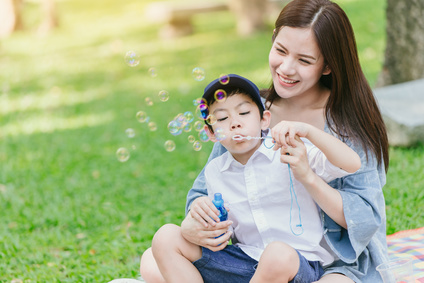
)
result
[(198, 234)]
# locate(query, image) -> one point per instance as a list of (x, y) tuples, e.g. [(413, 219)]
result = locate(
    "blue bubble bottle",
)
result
[(219, 204)]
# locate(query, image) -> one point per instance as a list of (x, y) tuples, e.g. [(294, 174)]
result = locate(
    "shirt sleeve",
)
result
[(321, 165), (364, 210), (199, 185)]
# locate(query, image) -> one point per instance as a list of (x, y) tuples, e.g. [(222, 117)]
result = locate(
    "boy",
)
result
[(258, 188)]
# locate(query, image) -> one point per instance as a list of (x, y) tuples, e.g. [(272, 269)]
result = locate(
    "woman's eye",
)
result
[(281, 51), (305, 61)]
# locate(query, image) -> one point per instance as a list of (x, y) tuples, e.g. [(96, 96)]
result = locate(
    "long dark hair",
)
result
[(351, 109)]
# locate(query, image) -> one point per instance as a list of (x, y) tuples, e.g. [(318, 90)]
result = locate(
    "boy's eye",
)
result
[(245, 113), (221, 119)]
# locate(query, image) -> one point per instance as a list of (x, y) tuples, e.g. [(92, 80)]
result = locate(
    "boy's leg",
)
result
[(335, 278), (279, 263), (149, 269), (174, 255)]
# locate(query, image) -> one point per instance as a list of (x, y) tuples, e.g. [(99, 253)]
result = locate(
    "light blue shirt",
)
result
[(360, 248)]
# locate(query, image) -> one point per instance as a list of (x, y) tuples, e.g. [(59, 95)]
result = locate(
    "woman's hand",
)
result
[(204, 211), (196, 233)]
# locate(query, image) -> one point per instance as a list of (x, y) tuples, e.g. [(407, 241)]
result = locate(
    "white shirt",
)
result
[(258, 195)]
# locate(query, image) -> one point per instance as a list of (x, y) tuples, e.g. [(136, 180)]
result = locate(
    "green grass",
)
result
[(70, 212)]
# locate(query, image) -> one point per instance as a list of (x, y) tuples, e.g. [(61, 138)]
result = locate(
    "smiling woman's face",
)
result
[(296, 62)]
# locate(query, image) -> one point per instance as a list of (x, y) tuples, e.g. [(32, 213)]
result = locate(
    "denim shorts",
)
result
[(232, 265)]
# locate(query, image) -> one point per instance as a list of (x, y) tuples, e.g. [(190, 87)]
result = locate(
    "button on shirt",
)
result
[(258, 195)]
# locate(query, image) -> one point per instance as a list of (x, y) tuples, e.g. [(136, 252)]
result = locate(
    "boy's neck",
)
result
[(243, 158)]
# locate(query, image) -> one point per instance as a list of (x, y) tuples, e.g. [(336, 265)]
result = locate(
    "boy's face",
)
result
[(239, 115)]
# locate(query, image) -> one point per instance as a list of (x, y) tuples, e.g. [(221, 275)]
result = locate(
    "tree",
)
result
[(404, 57)]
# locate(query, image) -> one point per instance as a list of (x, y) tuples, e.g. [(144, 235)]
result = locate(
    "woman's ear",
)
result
[(266, 120), (211, 135), (326, 70)]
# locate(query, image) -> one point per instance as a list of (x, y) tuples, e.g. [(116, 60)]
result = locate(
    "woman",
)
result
[(317, 79)]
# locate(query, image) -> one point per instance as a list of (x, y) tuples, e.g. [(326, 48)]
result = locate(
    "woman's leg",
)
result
[(149, 269), (278, 263), (335, 278), (174, 255)]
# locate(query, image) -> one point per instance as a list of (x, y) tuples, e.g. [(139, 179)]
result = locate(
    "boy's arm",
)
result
[(336, 151)]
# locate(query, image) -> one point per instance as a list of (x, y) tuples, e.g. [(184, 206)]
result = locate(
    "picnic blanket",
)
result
[(409, 243)]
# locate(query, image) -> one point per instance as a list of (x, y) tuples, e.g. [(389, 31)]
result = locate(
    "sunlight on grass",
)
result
[(48, 124)]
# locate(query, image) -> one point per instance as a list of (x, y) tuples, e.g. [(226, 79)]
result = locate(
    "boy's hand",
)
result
[(284, 133), (204, 211)]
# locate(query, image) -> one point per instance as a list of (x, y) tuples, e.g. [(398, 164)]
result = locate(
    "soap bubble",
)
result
[(189, 116), (203, 136), (149, 101), (197, 145), (132, 59), (187, 127), (202, 111), (220, 95), (152, 126), (198, 125), (170, 145), (198, 74), (224, 79), (130, 133), (141, 116), (220, 134), (163, 95), (211, 120), (122, 154), (199, 101), (153, 73), (191, 139), (173, 128)]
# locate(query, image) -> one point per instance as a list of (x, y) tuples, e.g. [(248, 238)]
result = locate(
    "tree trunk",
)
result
[(250, 15), (10, 19), (404, 57)]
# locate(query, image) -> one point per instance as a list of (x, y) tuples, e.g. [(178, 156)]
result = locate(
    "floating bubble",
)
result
[(163, 95), (199, 101), (170, 145), (122, 154), (174, 128), (130, 133), (211, 120), (149, 101), (220, 134), (197, 145), (224, 79), (203, 136), (132, 59), (198, 74), (141, 116), (202, 111), (191, 139), (189, 117), (152, 126), (153, 73), (187, 128), (220, 95), (198, 125)]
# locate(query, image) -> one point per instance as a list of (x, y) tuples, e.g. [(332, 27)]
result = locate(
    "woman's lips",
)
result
[(287, 82)]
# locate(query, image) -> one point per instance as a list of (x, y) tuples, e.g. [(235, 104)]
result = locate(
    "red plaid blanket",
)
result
[(409, 243)]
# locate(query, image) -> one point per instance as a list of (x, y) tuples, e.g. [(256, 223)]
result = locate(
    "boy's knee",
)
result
[(164, 237), (279, 255)]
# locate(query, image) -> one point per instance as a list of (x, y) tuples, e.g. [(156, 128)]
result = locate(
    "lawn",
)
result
[(70, 211)]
